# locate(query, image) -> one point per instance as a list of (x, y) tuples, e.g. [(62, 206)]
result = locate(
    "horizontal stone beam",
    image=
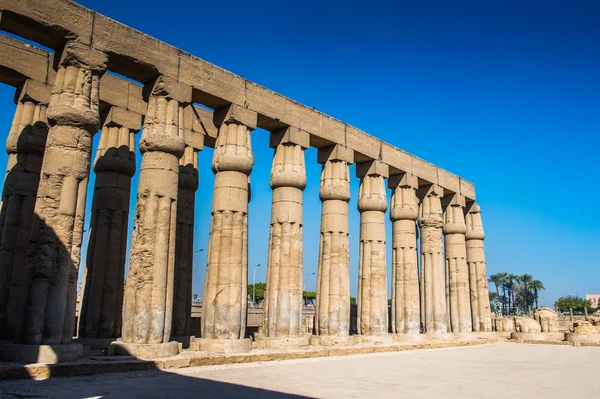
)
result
[(140, 57), (20, 62)]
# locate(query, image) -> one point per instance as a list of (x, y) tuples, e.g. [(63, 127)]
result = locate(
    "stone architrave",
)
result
[(25, 147), (404, 209), (480, 299), (49, 293), (283, 298), (457, 271), (184, 247), (225, 289), (333, 277), (432, 259), (372, 280), (102, 304), (147, 313)]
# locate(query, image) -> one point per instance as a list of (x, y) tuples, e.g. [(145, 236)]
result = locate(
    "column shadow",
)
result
[(149, 384)]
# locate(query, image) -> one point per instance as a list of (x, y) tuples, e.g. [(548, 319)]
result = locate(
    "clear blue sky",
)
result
[(505, 94)]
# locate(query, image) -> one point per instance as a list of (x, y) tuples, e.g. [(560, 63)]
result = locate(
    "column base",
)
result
[(410, 338), (145, 351), (491, 335), (184, 340), (445, 337), (281, 342), (96, 343), (222, 345), (375, 339), (332, 340), (461, 337), (42, 353)]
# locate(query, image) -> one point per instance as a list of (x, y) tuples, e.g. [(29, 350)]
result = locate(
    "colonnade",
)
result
[(42, 224)]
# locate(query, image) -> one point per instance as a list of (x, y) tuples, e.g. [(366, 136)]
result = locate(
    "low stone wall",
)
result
[(111, 364)]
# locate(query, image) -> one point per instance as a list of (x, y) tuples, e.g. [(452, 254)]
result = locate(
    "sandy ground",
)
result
[(488, 371)]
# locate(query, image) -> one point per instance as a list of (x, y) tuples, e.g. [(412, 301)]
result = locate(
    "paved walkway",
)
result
[(489, 371)]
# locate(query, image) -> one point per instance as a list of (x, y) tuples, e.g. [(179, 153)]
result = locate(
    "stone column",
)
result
[(456, 264), (49, 293), (480, 299), (405, 269), (147, 313), (432, 259), (282, 311), (372, 267), (333, 278), (184, 241), (225, 289), (25, 148), (102, 304)]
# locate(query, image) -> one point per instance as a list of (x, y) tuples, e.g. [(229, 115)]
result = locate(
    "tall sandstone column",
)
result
[(101, 309), (283, 298), (49, 294), (372, 281), (184, 241), (480, 299), (456, 264), (405, 269), (225, 290), (432, 259), (333, 279), (147, 314), (25, 147)]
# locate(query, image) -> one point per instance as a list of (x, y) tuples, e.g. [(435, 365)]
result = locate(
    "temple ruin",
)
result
[(66, 99)]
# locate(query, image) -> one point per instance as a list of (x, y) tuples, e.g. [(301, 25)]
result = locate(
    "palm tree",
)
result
[(494, 300), (513, 278), (510, 285), (526, 280), (536, 286), (503, 278), (497, 280)]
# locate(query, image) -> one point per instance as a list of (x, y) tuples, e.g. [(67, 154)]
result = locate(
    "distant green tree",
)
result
[(515, 294), (309, 297), (352, 300), (497, 280), (259, 293), (501, 280), (572, 301), (536, 286), (511, 286), (494, 302)]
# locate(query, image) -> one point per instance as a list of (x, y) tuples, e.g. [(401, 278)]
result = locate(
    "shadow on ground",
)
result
[(147, 384)]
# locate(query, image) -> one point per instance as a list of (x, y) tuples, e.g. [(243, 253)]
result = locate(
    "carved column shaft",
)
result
[(25, 147), (456, 264), (147, 314), (405, 269), (432, 260), (480, 300), (49, 296), (225, 289), (283, 298), (184, 248), (372, 282), (102, 304), (333, 278)]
